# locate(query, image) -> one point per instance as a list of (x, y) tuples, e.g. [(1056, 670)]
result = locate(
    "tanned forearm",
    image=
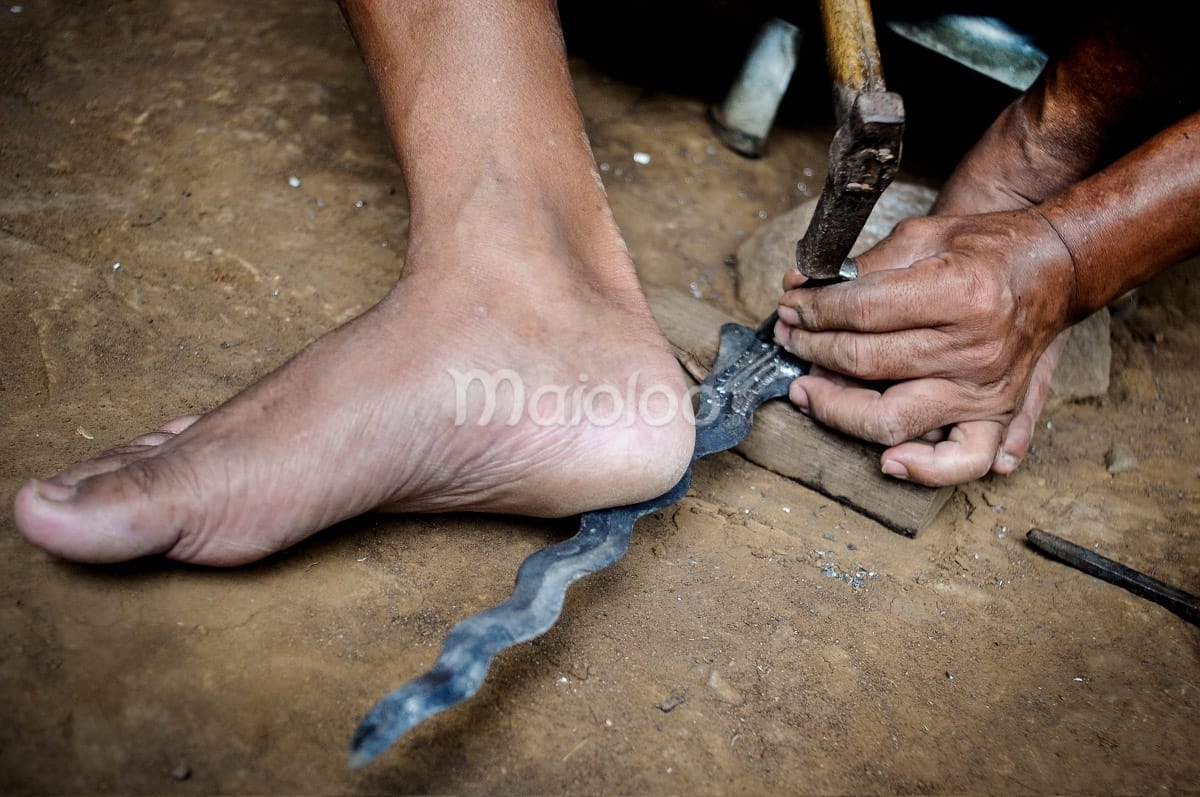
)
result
[(1133, 219), (1111, 89)]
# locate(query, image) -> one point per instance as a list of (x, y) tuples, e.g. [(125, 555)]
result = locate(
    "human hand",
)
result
[(958, 313)]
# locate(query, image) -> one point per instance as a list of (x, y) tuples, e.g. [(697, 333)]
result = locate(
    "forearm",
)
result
[(1132, 220), (1121, 81)]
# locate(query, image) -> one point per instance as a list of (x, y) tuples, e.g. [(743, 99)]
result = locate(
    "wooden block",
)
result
[(787, 442)]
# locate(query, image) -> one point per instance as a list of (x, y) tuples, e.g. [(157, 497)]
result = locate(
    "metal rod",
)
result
[(1181, 603)]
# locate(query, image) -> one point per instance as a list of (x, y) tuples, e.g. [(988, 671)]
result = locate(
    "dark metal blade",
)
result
[(748, 372)]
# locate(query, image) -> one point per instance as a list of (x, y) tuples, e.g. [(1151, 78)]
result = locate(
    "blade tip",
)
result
[(359, 758)]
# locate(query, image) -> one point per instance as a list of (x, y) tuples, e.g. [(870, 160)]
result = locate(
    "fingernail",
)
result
[(781, 334), (49, 491), (1006, 462), (799, 397), (789, 315), (893, 468)]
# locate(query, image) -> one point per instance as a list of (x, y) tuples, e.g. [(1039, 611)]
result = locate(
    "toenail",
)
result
[(49, 491), (893, 468)]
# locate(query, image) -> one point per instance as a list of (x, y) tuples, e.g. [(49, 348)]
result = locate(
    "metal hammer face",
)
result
[(744, 119)]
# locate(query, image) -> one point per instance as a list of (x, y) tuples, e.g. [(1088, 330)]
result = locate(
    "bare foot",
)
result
[(380, 414), (515, 272)]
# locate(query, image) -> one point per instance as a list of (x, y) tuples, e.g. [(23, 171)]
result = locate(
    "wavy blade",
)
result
[(532, 609), (748, 372)]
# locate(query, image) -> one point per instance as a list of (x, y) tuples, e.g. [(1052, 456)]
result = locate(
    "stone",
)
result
[(1119, 459), (1084, 369)]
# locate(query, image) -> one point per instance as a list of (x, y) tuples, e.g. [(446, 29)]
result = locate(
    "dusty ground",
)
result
[(161, 136)]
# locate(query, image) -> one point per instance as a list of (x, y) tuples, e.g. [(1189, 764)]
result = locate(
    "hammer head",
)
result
[(863, 160)]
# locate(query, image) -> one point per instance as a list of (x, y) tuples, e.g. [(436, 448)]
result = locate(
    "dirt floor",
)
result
[(154, 259)]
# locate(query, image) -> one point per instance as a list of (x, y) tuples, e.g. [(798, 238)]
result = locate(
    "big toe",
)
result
[(103, 518)]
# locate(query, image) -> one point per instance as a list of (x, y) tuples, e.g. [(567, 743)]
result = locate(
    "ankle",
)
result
[(512, 231)]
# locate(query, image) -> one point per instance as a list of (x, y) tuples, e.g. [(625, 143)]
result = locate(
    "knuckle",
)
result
[(981, 295), (867, 357), (856, 306), (887, 428), (855, 355), (795, 341), (993, 361), (810, 315), (852, 356), (142, 475), (910, 228)]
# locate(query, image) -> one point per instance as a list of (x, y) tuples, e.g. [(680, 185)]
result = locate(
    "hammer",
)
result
[(864, 155)]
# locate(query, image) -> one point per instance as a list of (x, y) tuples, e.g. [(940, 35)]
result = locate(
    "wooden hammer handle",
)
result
[(851, 47), (865, 152)]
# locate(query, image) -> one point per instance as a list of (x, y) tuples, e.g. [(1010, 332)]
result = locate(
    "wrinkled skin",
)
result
[(1070, 199), (514, 264)]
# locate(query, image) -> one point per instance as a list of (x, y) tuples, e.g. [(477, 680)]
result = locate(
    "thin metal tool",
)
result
[(1181, 603), (748, 371)]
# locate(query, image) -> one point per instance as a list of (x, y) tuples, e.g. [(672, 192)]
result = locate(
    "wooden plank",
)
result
[(789, 443)]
